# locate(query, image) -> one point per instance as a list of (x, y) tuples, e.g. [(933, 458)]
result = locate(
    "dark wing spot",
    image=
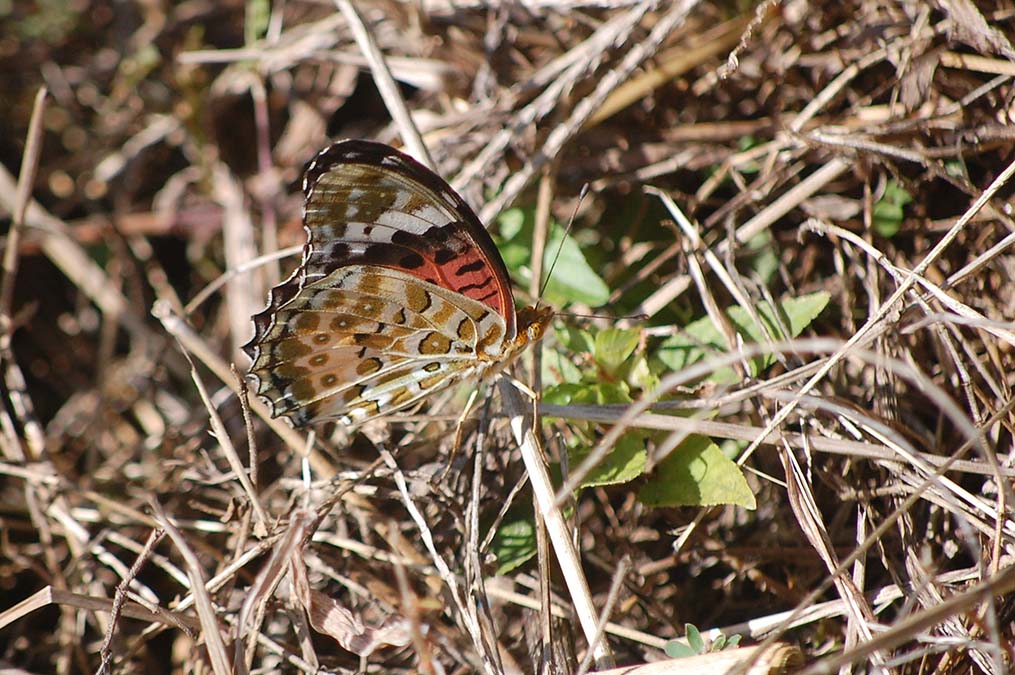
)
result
[(475, 287), (338, 250), (407, 239), (486, 297), (473, 266), (444, 255), (411, 261)]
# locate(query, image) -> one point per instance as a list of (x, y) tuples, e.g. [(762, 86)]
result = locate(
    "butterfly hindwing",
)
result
[(330, 348)]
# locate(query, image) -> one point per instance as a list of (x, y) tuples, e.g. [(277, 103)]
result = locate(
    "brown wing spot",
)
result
[(307, 321), (370, 407), (322, 338), (434, 343), (492, 336), (290, 372), (368, 366), (432, 367), (400, 317), (329, 380), (466, 330), (417, 299), (319, 360), (369, 283), (372, 341), (302, 390), (442, 314), (287, 350), (400, 397), (431, 382)]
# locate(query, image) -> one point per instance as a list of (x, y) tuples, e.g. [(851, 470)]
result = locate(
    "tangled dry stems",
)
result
[(166, 163)]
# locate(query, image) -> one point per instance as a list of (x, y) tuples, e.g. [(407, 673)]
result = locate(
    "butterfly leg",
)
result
[(459, 428)]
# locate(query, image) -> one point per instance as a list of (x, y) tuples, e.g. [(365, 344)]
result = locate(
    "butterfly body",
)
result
[(400, 293)]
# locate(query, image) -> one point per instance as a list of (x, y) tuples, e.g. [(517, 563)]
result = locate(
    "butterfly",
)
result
[(401, 293)]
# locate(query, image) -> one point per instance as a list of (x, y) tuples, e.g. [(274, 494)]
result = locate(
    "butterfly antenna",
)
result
[(604, 317), (560, 247)]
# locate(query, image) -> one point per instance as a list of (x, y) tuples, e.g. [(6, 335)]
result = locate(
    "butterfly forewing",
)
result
[(401, 293)]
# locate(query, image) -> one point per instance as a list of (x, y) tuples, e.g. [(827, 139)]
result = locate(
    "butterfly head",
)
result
[(532, 323)]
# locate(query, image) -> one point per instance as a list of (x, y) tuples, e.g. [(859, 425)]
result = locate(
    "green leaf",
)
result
[(572, 279), (697, 473), (677, 649), (889, 210), (613, 346), (576, 339), (764, 258), (693, 637), (701, 337), (624, 463), (600, 393), (557, 368), (626, 460), (641, 376), (511, 223), (515, 541), (515, 249), (563, 394)]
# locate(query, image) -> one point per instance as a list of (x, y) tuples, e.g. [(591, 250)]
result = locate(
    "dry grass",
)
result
[(879, 449)]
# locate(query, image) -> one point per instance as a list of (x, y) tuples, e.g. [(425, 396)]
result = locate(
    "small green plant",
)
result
[(694, 644), (888, 211), (589, 365)]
